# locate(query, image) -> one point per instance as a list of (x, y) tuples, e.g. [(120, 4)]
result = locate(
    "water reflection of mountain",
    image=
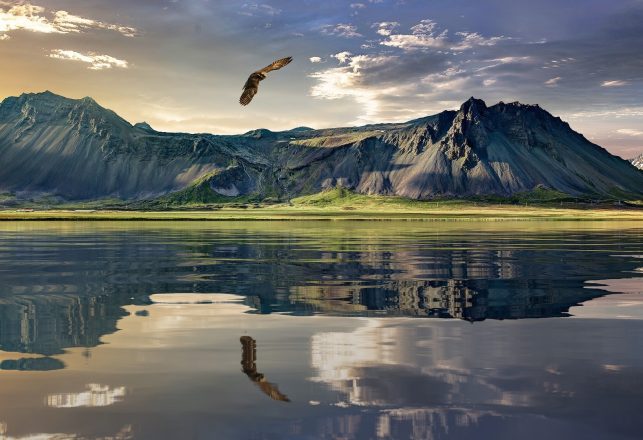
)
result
[(61, 290), (471, 300), (47, 324), (32, 364), (471, 282)]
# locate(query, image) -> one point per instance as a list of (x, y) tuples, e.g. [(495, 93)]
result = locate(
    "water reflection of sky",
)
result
[(367, 378), (94, 348)]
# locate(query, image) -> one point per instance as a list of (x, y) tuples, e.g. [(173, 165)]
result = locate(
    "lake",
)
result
[(321, 330)]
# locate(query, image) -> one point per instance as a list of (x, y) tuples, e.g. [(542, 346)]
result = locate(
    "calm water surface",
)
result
[(332, 330)]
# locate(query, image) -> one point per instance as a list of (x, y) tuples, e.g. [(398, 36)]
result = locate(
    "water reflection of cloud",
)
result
[(126, 433), (428, 384), (96, 396)]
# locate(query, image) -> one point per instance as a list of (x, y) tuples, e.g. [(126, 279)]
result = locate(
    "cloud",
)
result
[(342, 30), (96, 62), (348, 81), (342, 57), (474, 39), (315, 59), (4, 37), (253, 9), (616, 83), (425, 36), (358, 5), (630, 132), (416, 41), (553, 81), (424, 27), (67, 23), (385, 28), (393, 86), (34, 18)]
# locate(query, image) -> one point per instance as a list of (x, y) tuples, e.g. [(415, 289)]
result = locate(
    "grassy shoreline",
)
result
[(285, 212), (342, 204)]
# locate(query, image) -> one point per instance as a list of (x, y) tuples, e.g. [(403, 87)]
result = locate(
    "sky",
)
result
[(180, 64)]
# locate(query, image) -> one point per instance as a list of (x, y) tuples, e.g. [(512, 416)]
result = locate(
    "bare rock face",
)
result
[(638, 161), (76, 149)]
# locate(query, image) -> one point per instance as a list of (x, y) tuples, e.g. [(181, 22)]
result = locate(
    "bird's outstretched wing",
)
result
[(249, 91), (276, 65), (251, 87)]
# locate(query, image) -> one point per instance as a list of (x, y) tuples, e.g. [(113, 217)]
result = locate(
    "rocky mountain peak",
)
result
[(637, 161), (144, 126), (473, 106)]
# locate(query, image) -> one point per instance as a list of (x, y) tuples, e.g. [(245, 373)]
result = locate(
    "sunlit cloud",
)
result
[(422, 37), (623, 112), (96, 62), (341, 30), (425, 35), (352, 81), (315, 59), (630, 132), (385, 28), (553, 81), (34, 18), (615, 83), (342, 57)]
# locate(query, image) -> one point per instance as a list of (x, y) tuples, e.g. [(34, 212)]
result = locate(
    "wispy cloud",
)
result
[(34, 18), (66, 22), (614, 83), (341, 30), (470, 40), (553, 81), (95, 61), (425, 36), (630, 132), (253, 9)]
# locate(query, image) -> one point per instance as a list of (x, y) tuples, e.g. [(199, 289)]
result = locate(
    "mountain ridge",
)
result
[(75, 149)]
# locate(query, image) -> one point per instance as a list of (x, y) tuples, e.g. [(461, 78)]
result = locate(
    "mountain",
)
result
[(638, 161), (78, 150)]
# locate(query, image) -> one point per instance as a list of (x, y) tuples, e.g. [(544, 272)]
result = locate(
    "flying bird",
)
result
[(251, 87)]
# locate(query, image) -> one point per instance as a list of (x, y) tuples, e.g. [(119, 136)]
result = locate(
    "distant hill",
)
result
[(638, 161), (77, 150)]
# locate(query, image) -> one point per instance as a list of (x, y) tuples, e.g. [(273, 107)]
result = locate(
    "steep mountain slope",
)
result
[(75, 149), (638, 161), (79, 150)]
